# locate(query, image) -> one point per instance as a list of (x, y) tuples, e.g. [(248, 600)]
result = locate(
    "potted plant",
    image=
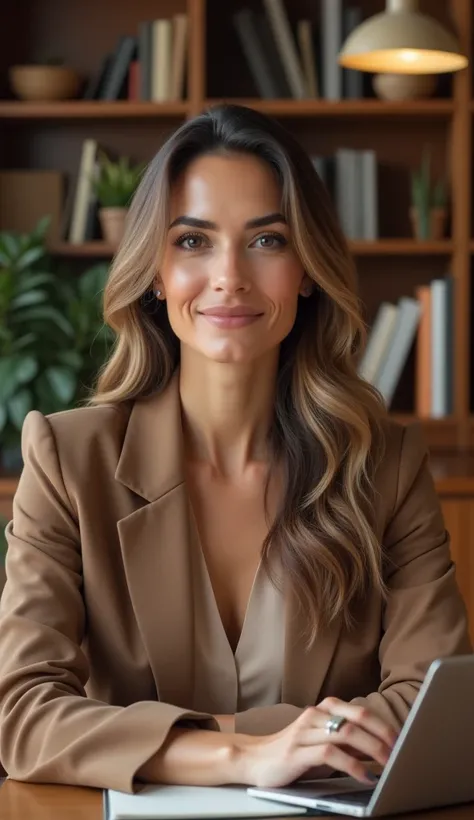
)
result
[(50, 336), (428, 210), (114, 186), (45, 82)]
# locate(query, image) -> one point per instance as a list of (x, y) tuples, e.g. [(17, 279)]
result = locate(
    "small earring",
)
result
[(158, 294)]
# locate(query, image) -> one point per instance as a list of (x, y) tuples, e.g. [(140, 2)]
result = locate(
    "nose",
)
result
[(228, 273)]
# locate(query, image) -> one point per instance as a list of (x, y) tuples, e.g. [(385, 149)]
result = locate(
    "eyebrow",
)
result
[(205, 224)]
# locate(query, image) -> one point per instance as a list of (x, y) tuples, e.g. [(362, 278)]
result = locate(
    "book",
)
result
[(352, 81), (400, 345), (178, 56), (115, 81), (191, 801), (286, 45), (162, 43), (331, 42), (423, 368), (304, 34), (83, 192), (441, 347), (249, 37), (145, 36), (378, 342)]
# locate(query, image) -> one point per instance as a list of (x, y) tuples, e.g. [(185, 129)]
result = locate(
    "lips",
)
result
[(226, 312)]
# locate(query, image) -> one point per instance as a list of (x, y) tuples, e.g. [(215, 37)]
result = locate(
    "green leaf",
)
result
[(26, 368), (44, 313), (33, 280), (32, 297), (10, 244), (8, 377), (63, 382), (3, 417), (41, 229), (71, 358), (18, 406), (23, 341), (29, 257)]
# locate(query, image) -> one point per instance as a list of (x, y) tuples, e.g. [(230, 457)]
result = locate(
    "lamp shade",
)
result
[(401, 40)]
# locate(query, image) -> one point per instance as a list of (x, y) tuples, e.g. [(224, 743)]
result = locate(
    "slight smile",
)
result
[(230, 317)]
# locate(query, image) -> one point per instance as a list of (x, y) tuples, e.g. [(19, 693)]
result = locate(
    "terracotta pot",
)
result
[(43, 82), (112, 222), (438, 219), (404, 86), (436, 224)]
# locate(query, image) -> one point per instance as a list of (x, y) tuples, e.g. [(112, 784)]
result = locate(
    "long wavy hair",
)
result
[(327, 430)]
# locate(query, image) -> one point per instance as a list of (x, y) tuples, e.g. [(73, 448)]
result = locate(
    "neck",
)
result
[(227, 410)]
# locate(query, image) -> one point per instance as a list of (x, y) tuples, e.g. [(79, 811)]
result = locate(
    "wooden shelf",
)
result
[(345, 108), (401, 246), (82, 109), (87, 249)]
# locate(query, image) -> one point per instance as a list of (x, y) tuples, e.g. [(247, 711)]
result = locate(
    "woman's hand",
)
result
[(281, 758)]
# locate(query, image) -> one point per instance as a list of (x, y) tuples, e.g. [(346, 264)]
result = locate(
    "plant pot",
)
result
[(436, 224), (112, 222), (438, 220), (404, 86), (44, 82)]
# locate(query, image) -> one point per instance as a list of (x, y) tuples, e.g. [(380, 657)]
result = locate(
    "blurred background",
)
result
[(379, 96)]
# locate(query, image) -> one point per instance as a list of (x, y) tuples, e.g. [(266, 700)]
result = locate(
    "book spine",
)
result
[(369, 194), (304, 33), (83, 192), (352, 81), (124, 55), (423, 354), (249, 41), (161, 59), (178, 60), (287, 47), (439, 347), (331, 41), (144, 57)]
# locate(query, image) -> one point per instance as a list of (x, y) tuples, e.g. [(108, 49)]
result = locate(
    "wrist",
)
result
[(240, 757)]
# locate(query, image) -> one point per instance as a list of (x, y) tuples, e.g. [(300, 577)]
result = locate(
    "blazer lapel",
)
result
[(306, 667), (155, 542)]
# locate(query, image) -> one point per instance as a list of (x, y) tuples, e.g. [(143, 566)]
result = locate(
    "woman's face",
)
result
[(230, 276)]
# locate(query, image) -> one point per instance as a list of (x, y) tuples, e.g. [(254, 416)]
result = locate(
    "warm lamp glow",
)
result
[(401, 40)]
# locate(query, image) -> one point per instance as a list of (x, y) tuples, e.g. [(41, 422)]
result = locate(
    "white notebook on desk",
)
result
[(176, 802)]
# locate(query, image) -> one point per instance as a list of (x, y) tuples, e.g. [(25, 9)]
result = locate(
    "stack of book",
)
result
[(298, 62), (147, 66), (428, 318), (352, 181)]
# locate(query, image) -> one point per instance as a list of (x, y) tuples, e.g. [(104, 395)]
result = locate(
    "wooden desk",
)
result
[(23, 801)]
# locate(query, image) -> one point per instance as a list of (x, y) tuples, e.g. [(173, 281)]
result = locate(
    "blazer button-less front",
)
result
[(99, 653)]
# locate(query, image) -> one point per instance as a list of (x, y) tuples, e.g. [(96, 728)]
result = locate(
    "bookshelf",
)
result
[(49, 135)]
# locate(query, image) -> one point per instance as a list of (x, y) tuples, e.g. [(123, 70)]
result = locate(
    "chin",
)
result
[(231, 354)]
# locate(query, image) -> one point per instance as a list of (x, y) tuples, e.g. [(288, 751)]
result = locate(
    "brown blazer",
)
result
[(96, 632)]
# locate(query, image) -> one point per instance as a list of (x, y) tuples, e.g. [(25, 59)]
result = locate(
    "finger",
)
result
[(328, 754), (361, 716), (352, 736)]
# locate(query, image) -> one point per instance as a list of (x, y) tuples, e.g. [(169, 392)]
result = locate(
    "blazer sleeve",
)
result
[(424, 617), (50, 731), (424, 613)]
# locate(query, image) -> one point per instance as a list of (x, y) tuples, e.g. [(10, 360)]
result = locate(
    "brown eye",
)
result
[(270, 241), (190, 241)]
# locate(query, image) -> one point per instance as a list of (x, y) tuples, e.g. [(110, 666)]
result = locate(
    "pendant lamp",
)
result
[(402, 40)]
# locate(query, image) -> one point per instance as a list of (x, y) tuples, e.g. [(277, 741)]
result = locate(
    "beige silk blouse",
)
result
[(224, 682)]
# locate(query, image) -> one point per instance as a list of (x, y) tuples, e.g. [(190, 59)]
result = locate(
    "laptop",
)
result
[(431, 764)]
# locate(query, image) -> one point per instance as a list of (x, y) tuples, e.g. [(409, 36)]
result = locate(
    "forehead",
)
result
[(226, 184)]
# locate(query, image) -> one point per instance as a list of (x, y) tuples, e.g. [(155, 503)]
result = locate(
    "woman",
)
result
[(233, 531)]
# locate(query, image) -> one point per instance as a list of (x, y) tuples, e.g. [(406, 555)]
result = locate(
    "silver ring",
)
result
[(334, 724)]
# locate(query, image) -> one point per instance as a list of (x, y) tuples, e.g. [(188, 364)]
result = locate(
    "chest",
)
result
[(233, 521)]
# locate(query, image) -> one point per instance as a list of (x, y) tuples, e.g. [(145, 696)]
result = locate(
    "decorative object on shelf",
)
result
[(114, 186), (49, 328), (404, 86), (44, 83), (401, 40), (428, 210)]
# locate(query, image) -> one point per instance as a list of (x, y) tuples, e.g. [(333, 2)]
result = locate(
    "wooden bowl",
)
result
[(44, 82)]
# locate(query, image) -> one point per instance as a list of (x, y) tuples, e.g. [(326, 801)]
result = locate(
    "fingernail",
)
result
[(371, 777)]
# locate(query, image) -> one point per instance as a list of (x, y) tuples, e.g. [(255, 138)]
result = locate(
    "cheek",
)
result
[(182, 281), (281, 282)]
